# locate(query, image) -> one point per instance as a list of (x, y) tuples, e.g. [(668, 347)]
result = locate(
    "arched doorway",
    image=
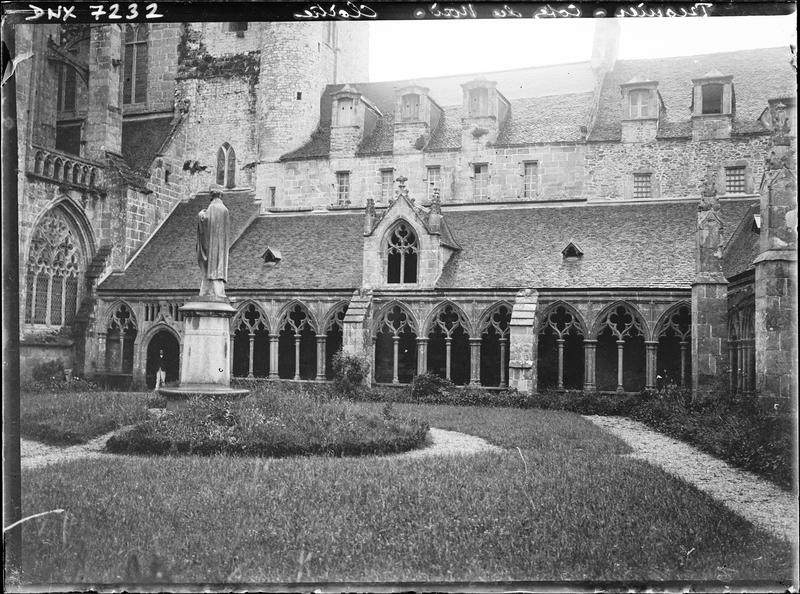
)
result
[(163, 340)]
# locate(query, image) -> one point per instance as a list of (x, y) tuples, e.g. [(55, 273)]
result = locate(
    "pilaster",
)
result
[(523, 342)]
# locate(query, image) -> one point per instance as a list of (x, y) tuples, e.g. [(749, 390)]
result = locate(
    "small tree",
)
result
[(349, 372)]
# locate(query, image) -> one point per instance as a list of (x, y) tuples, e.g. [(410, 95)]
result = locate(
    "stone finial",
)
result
[(781, 127), (402, 191), (369, 216), (708, 196)]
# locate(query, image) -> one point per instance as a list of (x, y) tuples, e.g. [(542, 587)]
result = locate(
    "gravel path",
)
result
[(440, 443), (748, 495)]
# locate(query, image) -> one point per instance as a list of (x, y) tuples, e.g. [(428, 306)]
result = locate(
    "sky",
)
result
[(416, 49)]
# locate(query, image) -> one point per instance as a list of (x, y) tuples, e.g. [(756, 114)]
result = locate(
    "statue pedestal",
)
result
[(205, 360)]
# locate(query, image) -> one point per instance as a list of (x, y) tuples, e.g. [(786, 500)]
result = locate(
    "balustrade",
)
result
[(64, 168)]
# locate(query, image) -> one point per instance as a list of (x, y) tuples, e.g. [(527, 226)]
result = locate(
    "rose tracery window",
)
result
[(54, 272), (403, 250)]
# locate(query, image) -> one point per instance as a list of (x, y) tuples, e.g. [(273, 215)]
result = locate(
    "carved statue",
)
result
[(213, 241), (708, 196)]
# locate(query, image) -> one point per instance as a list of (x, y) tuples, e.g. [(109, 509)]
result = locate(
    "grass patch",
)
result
[(77, 417), (570, 510), (271, 422)]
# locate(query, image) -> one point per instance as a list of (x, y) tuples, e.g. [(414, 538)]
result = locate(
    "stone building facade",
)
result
[(588, 226)]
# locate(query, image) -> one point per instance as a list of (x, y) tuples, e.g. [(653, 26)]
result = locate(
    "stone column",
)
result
[(709, 296), (732, 366), (523, 340), (448, 345), (503, 350), (101, 352), (104, 116), (422, 355), (589, 350), (252, 341), (374, 363), (651, 347), (297, 337), (560, 345), (739, 368), (395, 359), (273, 356), (776, 272), (620, 364), (684, 355), (230, 354), (320, 357), (475, 361)]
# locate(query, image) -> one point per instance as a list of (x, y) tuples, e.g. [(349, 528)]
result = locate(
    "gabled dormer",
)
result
[(713, 106), (484, 111), (641, 110), (416, 116), (353, 117), (407, 246)]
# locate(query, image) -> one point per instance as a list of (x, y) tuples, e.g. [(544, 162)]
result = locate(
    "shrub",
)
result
[(49, 370), (271, 423), (429, 387), (349, 372)]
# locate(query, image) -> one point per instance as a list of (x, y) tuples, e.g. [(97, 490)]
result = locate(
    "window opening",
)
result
[(479, 102), (342, 188), (387, 185), (272, 192), (410, 107), (345, 113), (67, 86), (403, 250), (481, 181), (642, 185), (735, 180), (531, 179), (640, 104), (135, 75), (434, 180), (712, 98), (226, 166)]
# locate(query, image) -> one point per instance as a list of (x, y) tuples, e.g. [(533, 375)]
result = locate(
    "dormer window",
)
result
[(344, 115), (402, 253), (712, 98), (271, 256), (640, 104), (571, 252), (479, 102), (410, 111)]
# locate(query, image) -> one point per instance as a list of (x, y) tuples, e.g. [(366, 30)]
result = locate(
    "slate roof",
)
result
[(642, 245), (758, 75), (142, 139), (624, 245), (130, 176), (743, 245), (169, 259)]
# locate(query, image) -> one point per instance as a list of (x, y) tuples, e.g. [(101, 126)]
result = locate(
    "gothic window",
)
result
[(387, 185), (494, 333), (345, 112), (410, 107), (530, 186), (403, 251), (642, 185), (640, 104), (67, 86), (479, 102), (226, 166), (135, 74), (712, 98), (120, 337), (560, 358), (54, 273), (342, 188), (673, 357), (735, 180), (480, 185)]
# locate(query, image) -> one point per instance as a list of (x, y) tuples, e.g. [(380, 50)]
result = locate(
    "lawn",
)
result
[(563, 507), (76, 417)]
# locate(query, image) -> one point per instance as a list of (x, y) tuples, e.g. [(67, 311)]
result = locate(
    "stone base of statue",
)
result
[(205, 361)]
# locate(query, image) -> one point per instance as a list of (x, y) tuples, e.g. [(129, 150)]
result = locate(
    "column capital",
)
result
[(474, 341), (321, 337), (651, 344), (592, 342), (422, 339)]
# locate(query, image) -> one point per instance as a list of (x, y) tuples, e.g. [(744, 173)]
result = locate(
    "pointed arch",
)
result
[(286, 310), (160, 345), (386, 309), (486, 318), (672, 331), (110, 315), (243, 309), (121, 330), (134, 87), (400, 247), (331, 338), (226, 166), (666, 320), (462, 318), (638, 322), (250, 341), (576, 321), (332, 317), (58, 253)]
